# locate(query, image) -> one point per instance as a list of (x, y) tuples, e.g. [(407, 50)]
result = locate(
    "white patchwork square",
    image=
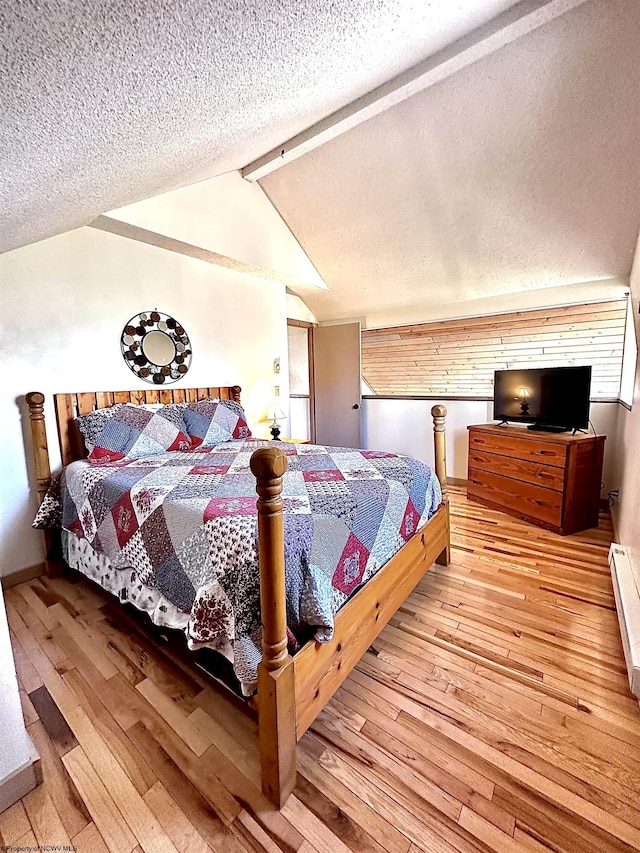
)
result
[(362, 472), (296, 505)]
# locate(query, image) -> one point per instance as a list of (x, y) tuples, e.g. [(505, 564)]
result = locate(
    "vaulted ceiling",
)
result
[(109, 102), (519, 172), (433, 152)]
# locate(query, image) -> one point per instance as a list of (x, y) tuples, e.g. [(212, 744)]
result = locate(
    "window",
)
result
[(627, 380)]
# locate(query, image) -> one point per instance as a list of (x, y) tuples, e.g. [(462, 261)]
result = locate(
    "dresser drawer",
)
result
[(515, 497), (518, 448), (538, 473)]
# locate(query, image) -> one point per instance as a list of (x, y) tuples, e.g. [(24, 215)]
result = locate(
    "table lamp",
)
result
[(274, 414)]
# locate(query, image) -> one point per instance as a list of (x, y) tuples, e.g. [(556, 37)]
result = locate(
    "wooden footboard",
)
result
[(320, 668), (293, 691)]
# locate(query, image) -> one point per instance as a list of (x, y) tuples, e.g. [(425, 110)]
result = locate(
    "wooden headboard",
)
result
[(69, 406)]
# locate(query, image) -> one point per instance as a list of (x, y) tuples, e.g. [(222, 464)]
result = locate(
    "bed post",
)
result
[(35, 401), (276, 701), (439, 414)]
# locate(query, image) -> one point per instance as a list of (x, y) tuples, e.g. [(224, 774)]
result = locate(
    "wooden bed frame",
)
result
[(291, 691)]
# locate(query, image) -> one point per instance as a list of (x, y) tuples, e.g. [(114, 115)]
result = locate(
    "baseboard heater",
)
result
[(626, 588)]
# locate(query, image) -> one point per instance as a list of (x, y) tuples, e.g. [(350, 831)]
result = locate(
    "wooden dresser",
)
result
[(550, 479)]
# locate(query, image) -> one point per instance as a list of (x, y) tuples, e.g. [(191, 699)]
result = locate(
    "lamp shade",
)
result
[(273, 413)]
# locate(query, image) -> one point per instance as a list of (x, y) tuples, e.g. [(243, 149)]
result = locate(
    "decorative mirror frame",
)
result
[(131, 343)]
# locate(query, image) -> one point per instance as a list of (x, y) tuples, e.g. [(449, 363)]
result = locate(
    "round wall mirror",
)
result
[(156, 347)]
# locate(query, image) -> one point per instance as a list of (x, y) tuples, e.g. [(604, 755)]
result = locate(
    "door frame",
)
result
[(304, 324)]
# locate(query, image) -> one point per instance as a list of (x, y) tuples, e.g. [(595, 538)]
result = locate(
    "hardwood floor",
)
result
[(493, 713)]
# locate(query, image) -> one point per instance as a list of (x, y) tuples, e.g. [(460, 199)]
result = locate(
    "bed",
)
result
[(291, 689)]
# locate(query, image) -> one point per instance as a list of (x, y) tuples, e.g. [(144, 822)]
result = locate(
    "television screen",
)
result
[(554, 397)]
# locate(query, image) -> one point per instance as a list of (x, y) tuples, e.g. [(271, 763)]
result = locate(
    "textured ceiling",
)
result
[(107, 102), (521, 171)]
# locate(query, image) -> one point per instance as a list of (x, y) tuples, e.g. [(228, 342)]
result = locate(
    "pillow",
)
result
[(92, 424), (210, 423), (133, 432)]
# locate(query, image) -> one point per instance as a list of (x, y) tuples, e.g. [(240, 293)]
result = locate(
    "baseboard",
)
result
[(456, 481), (23, 575)]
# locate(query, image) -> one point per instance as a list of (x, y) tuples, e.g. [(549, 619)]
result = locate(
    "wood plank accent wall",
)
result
[(457, 358)]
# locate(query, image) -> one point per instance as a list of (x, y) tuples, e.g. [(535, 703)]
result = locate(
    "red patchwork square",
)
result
[(124, 519), (230, 506), (410, 521), (351, 565)]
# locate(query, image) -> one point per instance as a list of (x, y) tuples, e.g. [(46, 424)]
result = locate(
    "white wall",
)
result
[(627, 511), (406, 426), (297, 310), (64, 304)]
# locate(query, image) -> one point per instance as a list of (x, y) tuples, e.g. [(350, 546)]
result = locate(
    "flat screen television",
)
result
[(553, 399)]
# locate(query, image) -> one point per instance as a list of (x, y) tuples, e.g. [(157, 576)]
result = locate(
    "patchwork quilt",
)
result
[(175, 534)]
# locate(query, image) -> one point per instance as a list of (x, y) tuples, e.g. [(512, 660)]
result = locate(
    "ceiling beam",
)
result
[(162, 241), (511, 25)]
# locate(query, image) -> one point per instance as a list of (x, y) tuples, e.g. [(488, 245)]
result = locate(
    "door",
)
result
[(336, 360)]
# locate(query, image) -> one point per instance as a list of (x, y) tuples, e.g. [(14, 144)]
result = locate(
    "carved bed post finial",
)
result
[(439, 414), (35, 401), (236, 390), (276, 688)]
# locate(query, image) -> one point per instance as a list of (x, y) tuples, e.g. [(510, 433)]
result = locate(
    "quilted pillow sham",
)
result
[(133, 432), (92, 424), (212, 422)]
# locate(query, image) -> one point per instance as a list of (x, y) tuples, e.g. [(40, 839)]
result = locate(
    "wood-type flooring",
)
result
[(492, 713)]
